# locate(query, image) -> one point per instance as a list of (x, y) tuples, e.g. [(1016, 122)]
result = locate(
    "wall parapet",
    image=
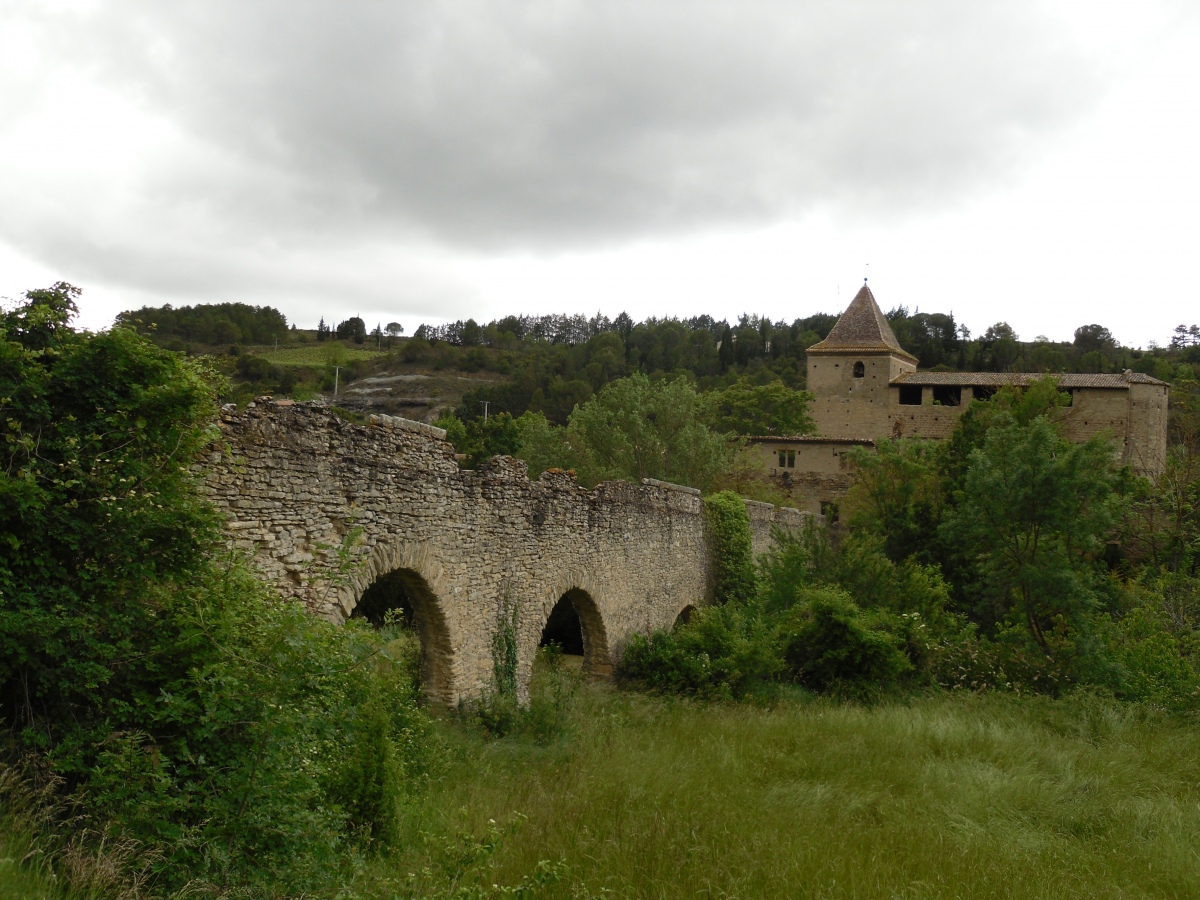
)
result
[(326, 507)]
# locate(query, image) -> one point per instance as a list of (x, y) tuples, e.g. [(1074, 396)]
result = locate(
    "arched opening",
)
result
[(860, 370), (575, 625), (402, 596), (685, 616)]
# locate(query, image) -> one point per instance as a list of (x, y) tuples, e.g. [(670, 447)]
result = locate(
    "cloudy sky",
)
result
[(1030, 161)]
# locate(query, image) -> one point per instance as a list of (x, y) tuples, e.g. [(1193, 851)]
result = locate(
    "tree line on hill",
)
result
[(553, 363), (216, 323)]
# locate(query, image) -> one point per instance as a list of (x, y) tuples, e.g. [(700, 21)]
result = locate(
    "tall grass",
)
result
[(947, 796)]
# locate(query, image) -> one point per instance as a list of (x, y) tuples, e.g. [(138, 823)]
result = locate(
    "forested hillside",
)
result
[(550, 364)]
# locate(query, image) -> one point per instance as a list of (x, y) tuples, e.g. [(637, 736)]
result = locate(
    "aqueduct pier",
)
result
[(328, 508)]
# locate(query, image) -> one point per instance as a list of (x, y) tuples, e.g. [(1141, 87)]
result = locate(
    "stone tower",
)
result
[(849, 372)]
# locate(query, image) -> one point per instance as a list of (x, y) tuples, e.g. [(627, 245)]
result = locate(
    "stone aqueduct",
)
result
[(327, 507)]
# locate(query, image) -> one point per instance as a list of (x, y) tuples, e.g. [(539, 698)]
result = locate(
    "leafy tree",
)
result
[(898, 495), (354, 329), (757, 409), (214, 323), (481, 439), (394, 330), (1089, 338), (1034, 513), (635, 428), (247, 743)]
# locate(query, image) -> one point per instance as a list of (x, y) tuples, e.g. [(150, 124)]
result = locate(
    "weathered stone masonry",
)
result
[(326, 507)]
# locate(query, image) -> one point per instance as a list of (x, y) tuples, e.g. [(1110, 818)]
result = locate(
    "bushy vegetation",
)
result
[(236, 741), (991, 561), (170, 727), (216, 323)]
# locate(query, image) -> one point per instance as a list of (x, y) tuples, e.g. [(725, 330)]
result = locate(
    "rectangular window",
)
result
[(910, 395), (984, 393), (782, 458), (947, 394), (791, 459)]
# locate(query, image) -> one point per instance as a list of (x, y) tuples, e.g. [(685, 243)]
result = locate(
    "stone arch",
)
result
[(860, 369), (410, 571), (580, 593), (684, 615)]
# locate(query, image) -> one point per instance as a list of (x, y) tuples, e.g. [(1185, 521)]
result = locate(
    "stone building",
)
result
[(866, 387)]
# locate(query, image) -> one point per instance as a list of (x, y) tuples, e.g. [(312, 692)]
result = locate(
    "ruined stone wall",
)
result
[(326, 507)]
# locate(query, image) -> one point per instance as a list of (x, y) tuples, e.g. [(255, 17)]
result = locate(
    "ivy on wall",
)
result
[(728, 527)]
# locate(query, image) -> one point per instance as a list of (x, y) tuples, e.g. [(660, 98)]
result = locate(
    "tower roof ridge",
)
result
[(862, 326)]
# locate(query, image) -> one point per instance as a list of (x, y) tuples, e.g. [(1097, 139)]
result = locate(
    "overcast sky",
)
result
[(1031, 162)]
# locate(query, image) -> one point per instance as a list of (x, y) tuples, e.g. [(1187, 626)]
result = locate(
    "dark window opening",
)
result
[(1070, 396), (791, 459), (563, 628), (859, 370), (910, 395), (829, 510), (947, 394), (985, 393), (787, 459)]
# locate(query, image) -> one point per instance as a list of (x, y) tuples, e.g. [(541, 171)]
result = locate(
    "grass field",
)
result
[(951, 796), (316, 355), (944, 797)]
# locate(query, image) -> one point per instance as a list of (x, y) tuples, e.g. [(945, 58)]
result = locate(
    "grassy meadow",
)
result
[(945, 796), (317, 355)]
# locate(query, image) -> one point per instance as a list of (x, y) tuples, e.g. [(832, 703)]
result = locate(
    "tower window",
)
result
[(910, 395), (859, 370)]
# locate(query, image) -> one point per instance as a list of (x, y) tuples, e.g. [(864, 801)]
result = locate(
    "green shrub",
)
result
[(721, 652), (828, 641), (728, 528), (242, 742)]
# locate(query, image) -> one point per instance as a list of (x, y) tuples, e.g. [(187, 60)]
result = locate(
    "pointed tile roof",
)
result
[(862, 327)]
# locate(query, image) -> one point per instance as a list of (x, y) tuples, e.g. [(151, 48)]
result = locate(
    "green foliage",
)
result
[(215, 323), (1034, 513), (480, 439), (722, 652), (552, 695), (504, 651), (246, 744), (828, 642), (727, 527), (634, 428), (757, 409), (898, 496)]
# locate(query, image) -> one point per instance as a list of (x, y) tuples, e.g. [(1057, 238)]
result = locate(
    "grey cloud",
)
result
[(550, 125)]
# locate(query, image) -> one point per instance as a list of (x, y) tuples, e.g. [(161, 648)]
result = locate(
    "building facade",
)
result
[(866, 388)]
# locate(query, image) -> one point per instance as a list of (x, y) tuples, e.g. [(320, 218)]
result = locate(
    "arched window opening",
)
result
[(860, 370), (575, 625), (563, 628), (685, 616), (403, 597)]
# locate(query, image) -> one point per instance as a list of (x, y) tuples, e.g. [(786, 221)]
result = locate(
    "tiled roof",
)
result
[(861, 327), (806, 439), (998, 379)]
